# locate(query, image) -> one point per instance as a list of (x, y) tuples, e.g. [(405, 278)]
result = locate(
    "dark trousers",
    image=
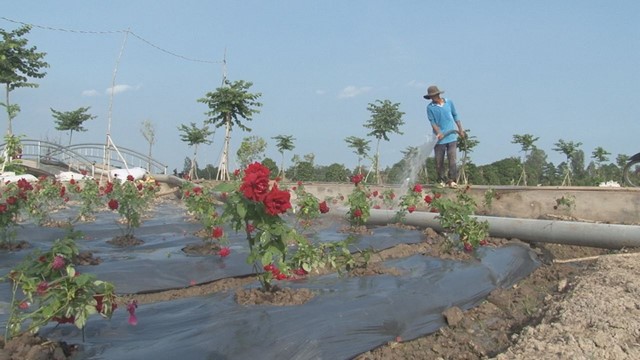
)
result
[(439, 151)]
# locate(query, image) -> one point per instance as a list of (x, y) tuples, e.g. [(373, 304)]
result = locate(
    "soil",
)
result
[(125, 241), (576, 309)]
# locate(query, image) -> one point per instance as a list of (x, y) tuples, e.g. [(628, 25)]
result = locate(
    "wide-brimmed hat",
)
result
[(432, 91)]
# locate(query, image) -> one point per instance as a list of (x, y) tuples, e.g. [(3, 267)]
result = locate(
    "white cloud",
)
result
[(353, 91), (120, 89), (320, 92), (90, 93), (417, 84)]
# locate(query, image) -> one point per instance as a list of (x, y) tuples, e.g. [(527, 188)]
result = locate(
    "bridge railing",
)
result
[(118, 157), (84, 157)]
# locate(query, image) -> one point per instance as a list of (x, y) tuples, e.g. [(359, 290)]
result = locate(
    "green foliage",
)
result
[(283, 143), (194, 136), (130, 199), (230, 103), (359, 202), (333, 255), (19, 63), (89, 195), (308, 206), (12, 154), (336, 173), (72, 120), (489, 195), (360, 147), (456, 217), (47, 288), (567, 202), (201, 204), (409, 202), (251, 150), (14, 199), (47, 195), (385, 118)]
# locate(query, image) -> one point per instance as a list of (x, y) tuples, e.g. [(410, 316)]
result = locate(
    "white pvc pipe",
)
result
[(609, 236)]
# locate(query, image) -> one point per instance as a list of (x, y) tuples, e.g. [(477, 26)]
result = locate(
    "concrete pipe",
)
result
[(608, 236)]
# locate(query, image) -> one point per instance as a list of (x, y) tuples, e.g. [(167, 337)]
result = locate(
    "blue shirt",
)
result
[(445, 117)]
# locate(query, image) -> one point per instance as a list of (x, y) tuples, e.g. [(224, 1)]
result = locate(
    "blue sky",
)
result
[(556, 69)]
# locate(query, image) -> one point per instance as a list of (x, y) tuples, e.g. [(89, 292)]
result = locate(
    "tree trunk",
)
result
[(223, 168), (9, 130)]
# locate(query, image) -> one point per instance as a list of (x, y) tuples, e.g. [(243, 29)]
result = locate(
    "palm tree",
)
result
[(284, 143), (385, 118), (227, 106)]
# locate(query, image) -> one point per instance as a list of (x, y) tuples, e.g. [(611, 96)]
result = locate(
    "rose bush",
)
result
[(130, 199), (47, 287), (359, 202)]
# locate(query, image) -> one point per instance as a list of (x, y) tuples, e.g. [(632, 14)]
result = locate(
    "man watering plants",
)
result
[(444, 120)]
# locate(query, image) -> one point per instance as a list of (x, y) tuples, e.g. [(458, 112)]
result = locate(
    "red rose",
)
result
[(12, 200), (411, 208), (468, 247), (255, 183), (277, 201), (197, 190), (63, 190), (217, 232), (428, 199), (224, 252), (130, 178), (375, 193), (281, 276), (300, 272), (417, 188), (250, 228), (72, 181), (357, 213), (269, 267), (324, 208), (113, 204), (356, 179)]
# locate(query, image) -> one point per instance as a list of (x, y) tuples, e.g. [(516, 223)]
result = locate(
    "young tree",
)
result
[(600, 155), (72, 120), (466, 144), (385, 118), (569, 149), (194, 136), (526, 142), (148, 131), (360, 147), (18, 63), (251, 149), (227, 106), (284, 143)]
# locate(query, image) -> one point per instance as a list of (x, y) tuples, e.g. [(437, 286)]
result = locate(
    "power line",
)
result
[(49, 28)]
